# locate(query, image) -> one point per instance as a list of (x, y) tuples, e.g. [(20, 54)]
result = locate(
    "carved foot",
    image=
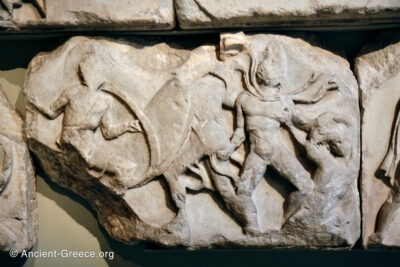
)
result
[(252, 230), (179, 227), (127, 175), (175, 226)]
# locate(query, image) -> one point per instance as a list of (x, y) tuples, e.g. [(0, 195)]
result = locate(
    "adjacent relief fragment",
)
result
[(17, 13), (254, 142), (195, 14), (18, 210), (378, 73), (88, 14)]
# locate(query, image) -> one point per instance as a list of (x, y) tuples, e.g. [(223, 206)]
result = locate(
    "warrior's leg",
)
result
[(83, 142), (80, 140), (287, 165), (254, 170), (241, 206), (178, 194)]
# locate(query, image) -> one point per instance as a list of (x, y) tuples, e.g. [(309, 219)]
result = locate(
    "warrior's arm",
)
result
[(314, 152), (56, 108), (299, 121), (296, 119), (111, 130), (239, 135), (320, 85)]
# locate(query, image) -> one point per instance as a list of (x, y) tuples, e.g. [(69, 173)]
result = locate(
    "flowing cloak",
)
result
[(391, 160)]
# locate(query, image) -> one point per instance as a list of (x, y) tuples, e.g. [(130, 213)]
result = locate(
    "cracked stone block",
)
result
[(378, 73), (18, 208), (90, 14), (250, 142), (196, 14)]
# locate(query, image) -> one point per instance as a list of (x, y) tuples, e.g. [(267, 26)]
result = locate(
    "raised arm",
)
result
[(316, 88), (299, 121), (296, 119)]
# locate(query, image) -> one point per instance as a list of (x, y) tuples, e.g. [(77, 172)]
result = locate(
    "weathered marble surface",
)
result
[(88, 14), (378, 73), (18, 210), (139, 15), (254, 142), (194, 14)]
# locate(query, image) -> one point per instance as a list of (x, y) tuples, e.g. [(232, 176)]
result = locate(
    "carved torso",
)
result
[(86, 108), (263, 117)]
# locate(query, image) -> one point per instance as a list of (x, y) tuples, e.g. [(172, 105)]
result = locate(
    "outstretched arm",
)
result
[(56, 108), (314, 151), (299, 121), (316, 88), (300, 138), (110, 130)]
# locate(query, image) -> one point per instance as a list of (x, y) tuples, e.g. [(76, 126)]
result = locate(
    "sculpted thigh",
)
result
[(263, 147)]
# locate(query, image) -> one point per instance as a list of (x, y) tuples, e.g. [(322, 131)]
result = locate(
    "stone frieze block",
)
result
[(18, 208), (378, 73), (195, 14), (252, 142), (89, 14)]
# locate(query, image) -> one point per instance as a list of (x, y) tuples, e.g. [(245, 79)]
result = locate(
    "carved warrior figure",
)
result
[(262, 111), (265, 111), (87, 107), (388, 170), (328, 145)]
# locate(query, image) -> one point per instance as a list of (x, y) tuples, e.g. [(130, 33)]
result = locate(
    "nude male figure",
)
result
[(86, 107), (262, 121), (262, 111), (328, 144)]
